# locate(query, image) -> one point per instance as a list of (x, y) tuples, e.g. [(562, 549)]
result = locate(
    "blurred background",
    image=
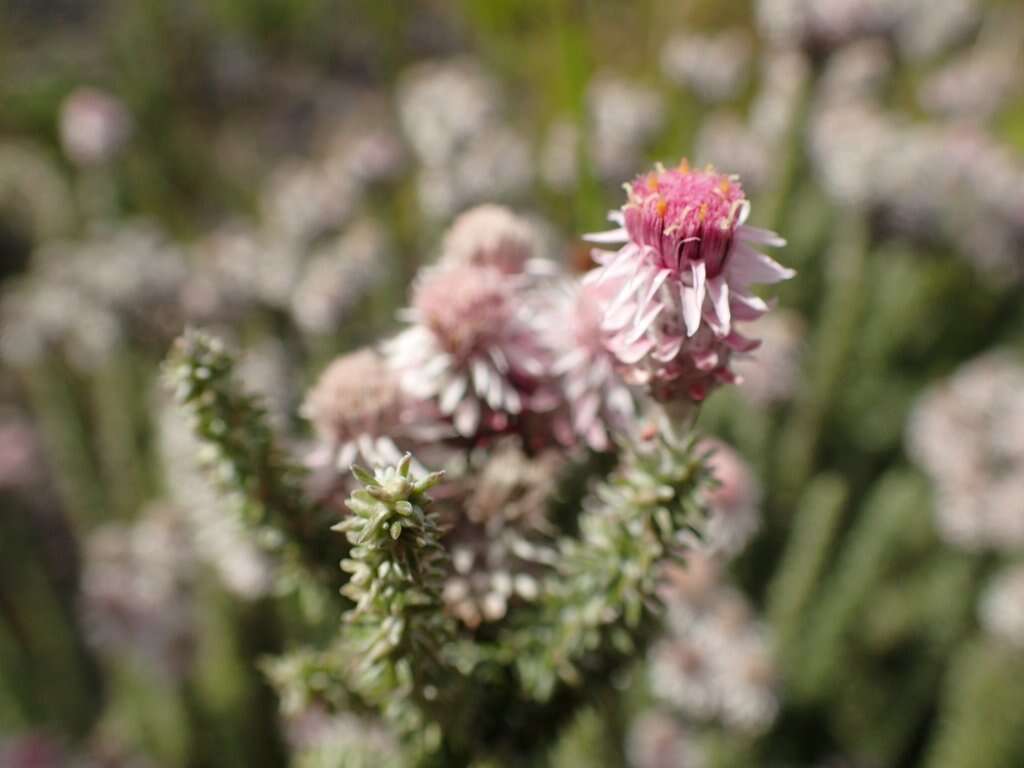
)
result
[(277, 170)]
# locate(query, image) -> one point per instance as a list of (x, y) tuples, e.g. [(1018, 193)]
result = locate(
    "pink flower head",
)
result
[(682, 279), (734, 502), (473, 349), (598, 398), (490, 235), (358, 413), (94, 125)]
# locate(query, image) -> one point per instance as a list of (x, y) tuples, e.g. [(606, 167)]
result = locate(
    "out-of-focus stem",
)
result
[(114, 397), (887, 513), (837, 326), (64, 434), (814, 530)]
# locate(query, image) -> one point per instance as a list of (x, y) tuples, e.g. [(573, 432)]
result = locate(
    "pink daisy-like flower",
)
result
[(473, 349), (599, 400), (682, 279)]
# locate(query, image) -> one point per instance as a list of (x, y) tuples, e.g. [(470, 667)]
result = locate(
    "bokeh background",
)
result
[(277, 170)]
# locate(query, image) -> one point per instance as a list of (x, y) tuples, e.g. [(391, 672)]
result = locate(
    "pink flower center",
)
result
[(685, 215), (467, 308)]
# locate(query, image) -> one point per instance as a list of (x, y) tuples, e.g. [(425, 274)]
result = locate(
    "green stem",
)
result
[(832, 345)]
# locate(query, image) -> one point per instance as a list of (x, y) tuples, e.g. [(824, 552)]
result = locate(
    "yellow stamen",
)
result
[(703, 213), (684, 166), (661, 207)]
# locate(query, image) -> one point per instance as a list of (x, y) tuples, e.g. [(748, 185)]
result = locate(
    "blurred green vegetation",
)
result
[(878, 643)]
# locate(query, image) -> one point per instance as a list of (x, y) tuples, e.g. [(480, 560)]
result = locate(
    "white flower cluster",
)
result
[(136, 591), (967, 434), (931, 181), (453, 117), (714, 67), (318, 738), (84, 297), (658, 740), (922, 27), (715, 662), (624, 117), (1002, 606)]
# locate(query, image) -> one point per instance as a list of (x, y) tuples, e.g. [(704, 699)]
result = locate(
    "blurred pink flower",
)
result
[(599, 400), (94, 125), (490, 236), (682, 279), (19, 454), (734, 502), (474, 349), (359, 413), (715, 661), (1001, 611)]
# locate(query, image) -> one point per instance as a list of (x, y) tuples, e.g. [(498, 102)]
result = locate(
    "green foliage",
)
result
[(872, 614), (982, 713), (395, 636), (599, 602), (243, 455)]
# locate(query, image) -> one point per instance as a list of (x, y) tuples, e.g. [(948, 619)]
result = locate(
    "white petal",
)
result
[(718, 290), (699, 270), (691, 309), (633, 353), (347, 455), (748, 266), (656, 283), (495, 392), (586, 410), (749, 304), (499, 359), (453, 393), (610, 236), (467, 417), (513, 403), (743, 214), (481, 376), (437, 365), (616, 321), (641, 325), (628, 290), (761, 236)]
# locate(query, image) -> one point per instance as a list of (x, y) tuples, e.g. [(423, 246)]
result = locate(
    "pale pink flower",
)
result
[(359, 412), (967, 434), (659, 740), (19, 453), (683, 279), (1002, 605), (772, 374), (714, 662), (473, 349), (599, 401), (94, 125), (490, 236), (136, 593), (734, 503)]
